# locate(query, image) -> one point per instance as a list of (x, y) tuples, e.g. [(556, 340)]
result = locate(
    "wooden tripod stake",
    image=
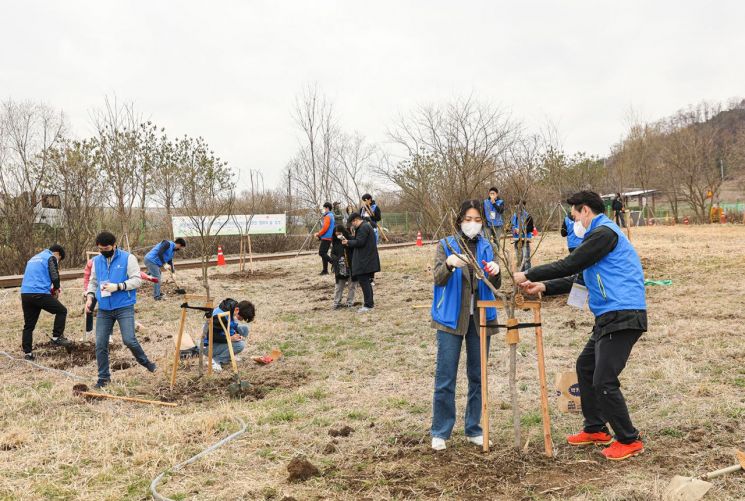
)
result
[(512, 339), (177, 351)]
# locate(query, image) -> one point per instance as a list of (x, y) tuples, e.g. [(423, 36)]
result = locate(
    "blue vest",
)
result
[(116, 273), (573, 240), (153, 257), (330, 232), (489, 209), (516, 226), (616, 282), (230, 323), (36, 279), (446, 299)]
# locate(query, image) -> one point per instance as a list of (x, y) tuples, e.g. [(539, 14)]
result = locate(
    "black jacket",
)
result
[(365, 258), (218, 334), (339, 252), (617, 205)]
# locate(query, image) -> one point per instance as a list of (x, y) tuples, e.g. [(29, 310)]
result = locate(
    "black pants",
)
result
[(367, 289), (89, 316), (32, 305), (620, 219), (598, 367), (323, 251)]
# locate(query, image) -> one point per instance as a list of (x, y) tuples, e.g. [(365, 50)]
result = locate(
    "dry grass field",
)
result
[(685, 383)]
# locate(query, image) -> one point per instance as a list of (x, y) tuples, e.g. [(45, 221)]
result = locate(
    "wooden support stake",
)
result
[(241, 263), (210, 330), (250, 254), (484, 380), (226, 330), (548, 443), (127, 399), (177, 351)]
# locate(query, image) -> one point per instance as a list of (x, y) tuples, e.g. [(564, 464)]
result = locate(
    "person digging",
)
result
[(614, 279), (114, 280), (240, 311), (162, 255), (40, 291)]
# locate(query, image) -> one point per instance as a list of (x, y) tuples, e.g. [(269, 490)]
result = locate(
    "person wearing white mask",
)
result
[(456, 317)]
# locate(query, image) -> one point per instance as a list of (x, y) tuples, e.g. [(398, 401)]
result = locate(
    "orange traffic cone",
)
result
[(419, 242), (220, 256), (685, 220)]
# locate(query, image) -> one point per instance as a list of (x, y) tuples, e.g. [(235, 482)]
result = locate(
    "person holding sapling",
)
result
[(365, 259), (341, 261), (113, 284), (456, 319), (40, 291), (162, 255), (615, 285), (240, 311)]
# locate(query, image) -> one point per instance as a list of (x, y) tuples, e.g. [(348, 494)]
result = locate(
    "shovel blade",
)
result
[(685, 489)]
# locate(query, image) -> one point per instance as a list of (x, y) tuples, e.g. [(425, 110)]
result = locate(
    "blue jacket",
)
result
[(573, 240), (155, 255), (521, 226), (36, 278), (116, 273), (330, 231), (492, 213), (218, 334), (446, 300), (616, 282)]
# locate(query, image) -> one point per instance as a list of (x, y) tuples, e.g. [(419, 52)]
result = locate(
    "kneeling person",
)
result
[(240, 311)]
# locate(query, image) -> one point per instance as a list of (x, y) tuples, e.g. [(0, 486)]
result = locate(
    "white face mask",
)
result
[(470, 229), (579, 230)]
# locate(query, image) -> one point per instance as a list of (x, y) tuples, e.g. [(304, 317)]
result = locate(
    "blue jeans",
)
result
[(104, 328), (443, 403), (154, 271), (220, 352)]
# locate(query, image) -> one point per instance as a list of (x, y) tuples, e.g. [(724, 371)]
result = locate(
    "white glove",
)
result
[(492, 268), (110, 287), (456, 261), (167, 267)]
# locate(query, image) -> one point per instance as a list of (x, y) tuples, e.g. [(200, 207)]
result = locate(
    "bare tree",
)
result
[(27, 132), (354, 165)]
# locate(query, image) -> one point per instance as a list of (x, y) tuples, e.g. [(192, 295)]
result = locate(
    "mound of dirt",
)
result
[(300, 470), (58, 357), (344, 431)]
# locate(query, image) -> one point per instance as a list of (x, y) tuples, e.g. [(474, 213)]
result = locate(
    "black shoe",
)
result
[(61, 341), (29, 356), (101, 383), (151, 366), (324, 272)]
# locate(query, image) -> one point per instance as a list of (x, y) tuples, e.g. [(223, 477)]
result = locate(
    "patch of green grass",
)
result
[(740, 382), (357, 415), (397, 403), (321, 422), (290, 350), (267, 453), (289, 317), (523, 387), (138, 490), (55, 492), (531, 419), (43, 386), (280, 416), (318, 394), (672, 432)]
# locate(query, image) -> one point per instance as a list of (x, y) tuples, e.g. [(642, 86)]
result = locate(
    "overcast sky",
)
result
[(230, 71)]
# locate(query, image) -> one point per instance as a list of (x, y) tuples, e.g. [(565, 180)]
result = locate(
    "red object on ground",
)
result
[(266, 359), (618, 451), (419, 242), (220, 256), (535, 232), (584, 438)]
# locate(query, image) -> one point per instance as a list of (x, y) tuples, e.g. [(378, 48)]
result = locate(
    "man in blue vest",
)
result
[(162, 255), (39, 291), (115, 277), (522, 233), (493, 210), (325, 235), (615, 282), (574, 233)]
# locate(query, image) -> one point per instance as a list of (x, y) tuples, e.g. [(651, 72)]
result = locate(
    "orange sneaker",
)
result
[(618, 451), (584, 438)]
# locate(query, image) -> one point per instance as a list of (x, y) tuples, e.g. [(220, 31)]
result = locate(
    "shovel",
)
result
[(179, 290), (695, 488)]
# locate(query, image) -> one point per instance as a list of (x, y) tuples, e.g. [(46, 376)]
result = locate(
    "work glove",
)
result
[(167, 267), (110, 287), (492, 268), (456, 261)]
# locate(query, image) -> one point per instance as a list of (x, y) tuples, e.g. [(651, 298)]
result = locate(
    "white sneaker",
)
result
[(90, 333), (438, 444), (478, 441), (215, 366), (237, 359), (364, 309)]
